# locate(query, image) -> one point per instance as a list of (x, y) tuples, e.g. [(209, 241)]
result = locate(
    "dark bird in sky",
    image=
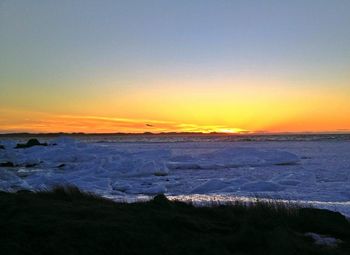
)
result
[(149, 125)]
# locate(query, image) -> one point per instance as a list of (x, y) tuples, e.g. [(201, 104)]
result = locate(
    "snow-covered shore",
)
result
[(316, 172)]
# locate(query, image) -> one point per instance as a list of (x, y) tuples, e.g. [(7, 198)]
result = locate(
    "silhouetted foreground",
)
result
[(67, 221)]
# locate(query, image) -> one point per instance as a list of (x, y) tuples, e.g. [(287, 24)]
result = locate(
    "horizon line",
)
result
[(339, 132)]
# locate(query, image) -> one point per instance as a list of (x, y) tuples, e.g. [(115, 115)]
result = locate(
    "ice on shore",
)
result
[(261, 186), (308, 171), (213, 185), (234, 157), (324, 240)]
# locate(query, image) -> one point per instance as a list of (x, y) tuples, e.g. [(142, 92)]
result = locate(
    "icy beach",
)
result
[(308, 171)]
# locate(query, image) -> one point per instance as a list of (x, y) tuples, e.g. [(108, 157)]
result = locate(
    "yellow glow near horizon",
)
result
[(231, 130), (238, 106)]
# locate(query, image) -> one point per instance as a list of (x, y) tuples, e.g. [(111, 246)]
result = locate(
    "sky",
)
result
[(157, 66)]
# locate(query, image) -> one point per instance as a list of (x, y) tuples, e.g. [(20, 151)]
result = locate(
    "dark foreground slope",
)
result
[(66, 221)]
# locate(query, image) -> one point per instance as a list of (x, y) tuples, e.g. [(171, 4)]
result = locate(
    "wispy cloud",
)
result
[(42, 122)]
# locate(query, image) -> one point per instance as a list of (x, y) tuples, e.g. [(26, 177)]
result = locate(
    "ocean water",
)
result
[(152, 138), (308, 169), (214, 138)]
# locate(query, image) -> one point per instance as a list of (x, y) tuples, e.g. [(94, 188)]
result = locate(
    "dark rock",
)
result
[(160, 199), (30, 143), (2, 147), (31, 165), (287, 164), (7, 164)]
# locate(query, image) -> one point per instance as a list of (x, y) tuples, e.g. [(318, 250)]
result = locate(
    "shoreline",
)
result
[(67, 220)]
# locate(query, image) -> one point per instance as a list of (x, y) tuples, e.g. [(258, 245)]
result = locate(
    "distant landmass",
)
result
[(261, 133)]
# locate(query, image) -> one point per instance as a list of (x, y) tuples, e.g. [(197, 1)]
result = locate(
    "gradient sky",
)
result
[(135, 66)]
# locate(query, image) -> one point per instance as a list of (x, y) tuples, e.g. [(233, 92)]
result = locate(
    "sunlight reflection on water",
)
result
[(222, 199)]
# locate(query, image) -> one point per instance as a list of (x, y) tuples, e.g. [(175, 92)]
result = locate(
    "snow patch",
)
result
[(261, 186), (324, 240)]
